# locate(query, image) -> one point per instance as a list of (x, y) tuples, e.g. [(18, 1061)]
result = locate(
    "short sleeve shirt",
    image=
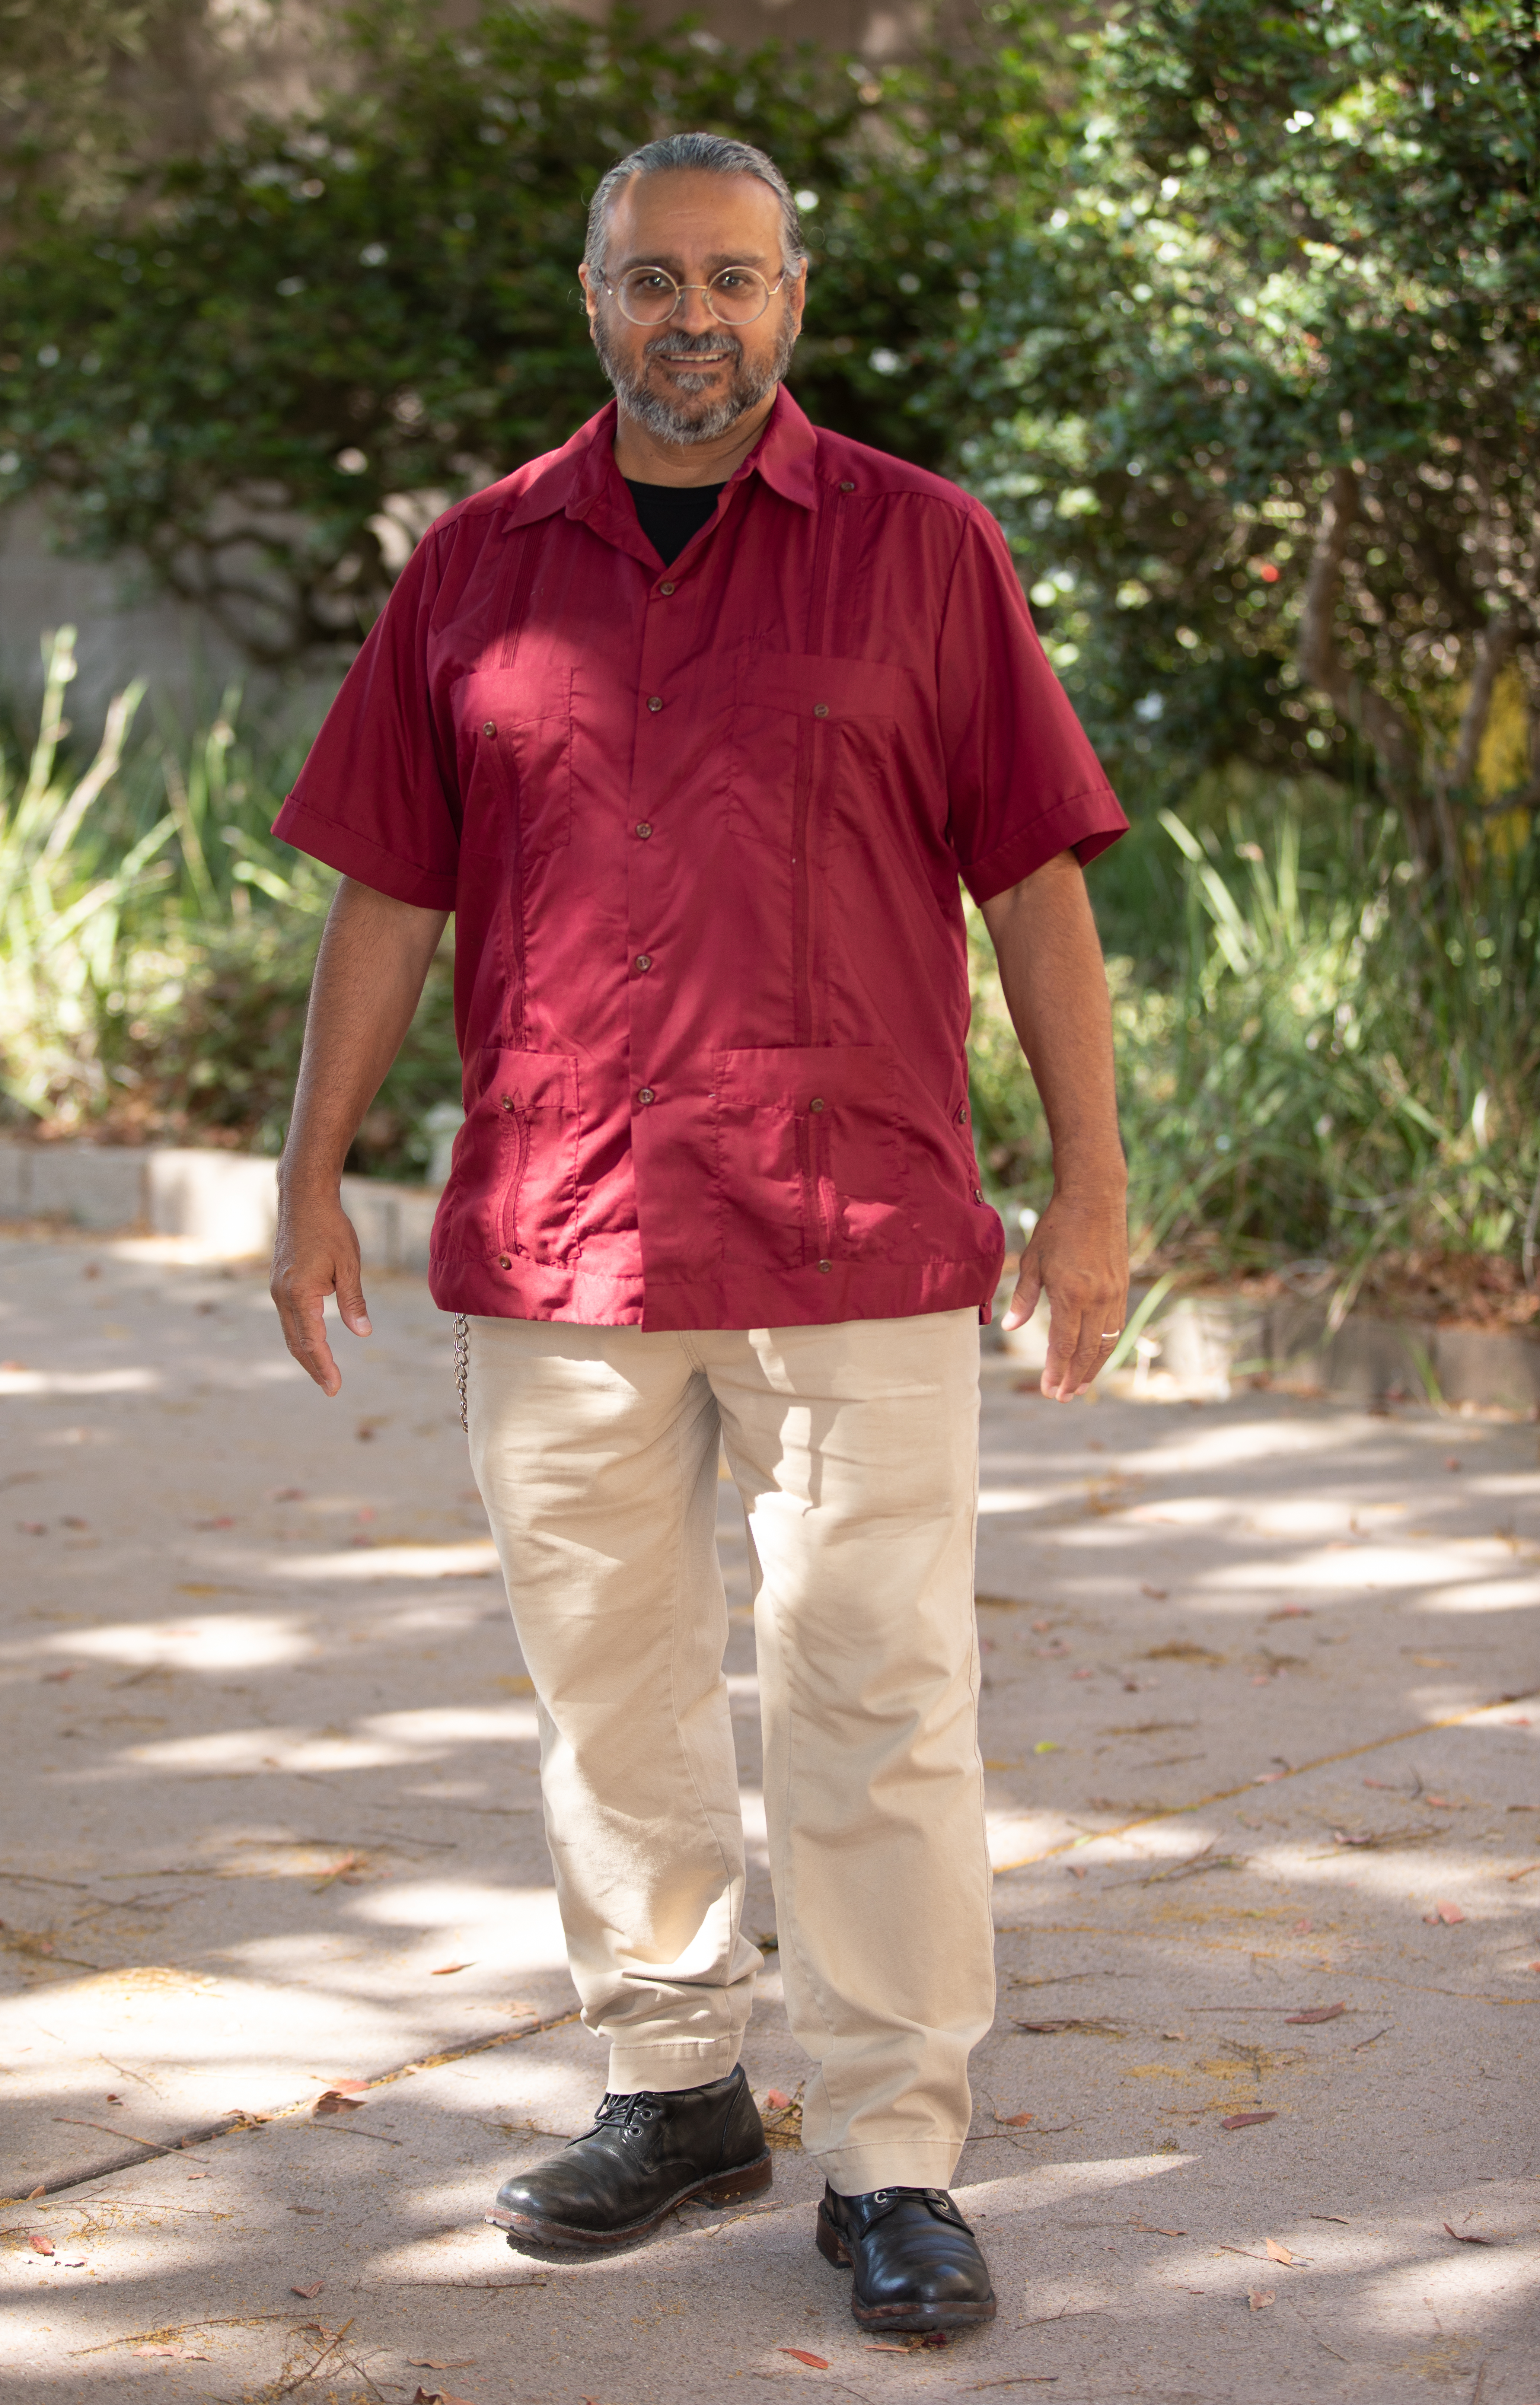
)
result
[(702, 826)]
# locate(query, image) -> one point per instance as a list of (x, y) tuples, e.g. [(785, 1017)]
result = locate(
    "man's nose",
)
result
[(692, 317)]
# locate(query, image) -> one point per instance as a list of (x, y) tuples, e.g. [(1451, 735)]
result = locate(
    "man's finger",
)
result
[(1080, 1343), (1064, 1332), (352, 1308), (304, 1334), (1029, 1287)]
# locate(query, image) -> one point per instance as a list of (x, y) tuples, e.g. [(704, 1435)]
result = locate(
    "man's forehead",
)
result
[(715, 213)]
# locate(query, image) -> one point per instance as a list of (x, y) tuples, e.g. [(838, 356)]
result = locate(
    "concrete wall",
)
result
[(223, 1202)]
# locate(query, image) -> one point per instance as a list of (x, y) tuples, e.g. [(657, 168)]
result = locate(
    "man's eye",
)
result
[(731, 280), (649, 280)]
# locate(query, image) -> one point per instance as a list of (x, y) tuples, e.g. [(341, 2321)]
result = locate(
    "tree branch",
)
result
[(1322, 663), (1494, 648)]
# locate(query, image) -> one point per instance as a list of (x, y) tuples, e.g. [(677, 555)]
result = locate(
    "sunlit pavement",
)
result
[(1261, 1723)]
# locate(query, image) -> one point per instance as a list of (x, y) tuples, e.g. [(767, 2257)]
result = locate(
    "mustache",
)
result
[(679, 346)]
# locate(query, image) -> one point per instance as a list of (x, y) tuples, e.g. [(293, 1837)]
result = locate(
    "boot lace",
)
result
[(630, 2115)]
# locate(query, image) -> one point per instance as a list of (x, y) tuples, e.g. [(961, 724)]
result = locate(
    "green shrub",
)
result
[(1307, 1067)]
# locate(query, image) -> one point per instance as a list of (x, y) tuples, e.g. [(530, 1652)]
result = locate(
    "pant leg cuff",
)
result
[(856, 2170), (670, 2066)]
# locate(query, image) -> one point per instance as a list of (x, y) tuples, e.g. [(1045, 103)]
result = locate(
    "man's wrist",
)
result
[(1101, 1182), (308, 1181)]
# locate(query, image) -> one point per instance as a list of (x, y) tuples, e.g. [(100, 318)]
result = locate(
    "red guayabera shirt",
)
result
[(703, 827)]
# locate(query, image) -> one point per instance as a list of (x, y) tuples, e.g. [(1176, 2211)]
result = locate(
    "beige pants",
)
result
[(855, 1451)]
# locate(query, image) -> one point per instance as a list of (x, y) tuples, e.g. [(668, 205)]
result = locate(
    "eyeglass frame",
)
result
[(648, 267)]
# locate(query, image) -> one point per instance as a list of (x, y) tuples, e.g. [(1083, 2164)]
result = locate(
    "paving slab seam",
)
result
[(232, 2123), (1270, 1779)]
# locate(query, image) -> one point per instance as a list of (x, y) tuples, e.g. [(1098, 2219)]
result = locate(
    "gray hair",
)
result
[(717, 154)]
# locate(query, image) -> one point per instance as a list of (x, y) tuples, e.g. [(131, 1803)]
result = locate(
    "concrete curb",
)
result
[(1197, 1346), (1200, 1346), (226, 1203)]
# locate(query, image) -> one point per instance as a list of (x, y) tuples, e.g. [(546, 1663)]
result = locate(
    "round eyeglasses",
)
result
[(736, 296)]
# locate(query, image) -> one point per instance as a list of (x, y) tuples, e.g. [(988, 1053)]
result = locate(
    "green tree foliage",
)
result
[(1269, 396), (272, 366)]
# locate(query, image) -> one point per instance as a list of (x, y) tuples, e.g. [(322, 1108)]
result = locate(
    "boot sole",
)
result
[(722, 2187), (963, 2314)]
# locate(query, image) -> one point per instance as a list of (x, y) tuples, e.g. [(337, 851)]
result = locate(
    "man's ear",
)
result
[(591, 299)]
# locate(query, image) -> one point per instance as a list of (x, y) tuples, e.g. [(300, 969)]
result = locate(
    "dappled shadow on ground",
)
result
[(1263, 1828)]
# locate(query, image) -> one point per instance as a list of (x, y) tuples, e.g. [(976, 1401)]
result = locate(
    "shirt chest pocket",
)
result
[(818, 748), (516, 739)]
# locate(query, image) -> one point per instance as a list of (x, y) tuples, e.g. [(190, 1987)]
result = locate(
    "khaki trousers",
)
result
[(855, 1451)]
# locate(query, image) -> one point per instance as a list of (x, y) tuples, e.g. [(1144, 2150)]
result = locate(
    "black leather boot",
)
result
[(918, 2264), (644, 2155)]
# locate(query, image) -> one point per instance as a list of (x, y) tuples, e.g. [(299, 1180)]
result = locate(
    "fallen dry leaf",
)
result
[(1058, 2028), (814, 2362), (175, 2354), (1155, 1593), (335, 2102), (40, 2245), (41, 2189), (1469, 2237), (1448, 1913), (1259, 2299), (1245, 2120), (1017, 2120), (777, 2099), (444, 1969), (1317, 2013), (314, 2290), (1277, 2254)]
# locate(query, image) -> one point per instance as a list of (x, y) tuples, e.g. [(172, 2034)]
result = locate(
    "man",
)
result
[(695, 723)]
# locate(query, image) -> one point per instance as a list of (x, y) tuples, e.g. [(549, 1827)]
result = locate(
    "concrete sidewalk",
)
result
[(1261, 1721)]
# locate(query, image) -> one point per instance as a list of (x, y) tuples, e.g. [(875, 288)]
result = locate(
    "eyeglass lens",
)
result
[(736, 296)]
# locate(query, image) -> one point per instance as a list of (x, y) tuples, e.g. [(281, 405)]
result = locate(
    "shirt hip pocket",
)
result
[(514, 1176), (811, 1165)]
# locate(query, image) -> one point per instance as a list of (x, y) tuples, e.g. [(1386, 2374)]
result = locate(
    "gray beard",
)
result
[(670, 421)]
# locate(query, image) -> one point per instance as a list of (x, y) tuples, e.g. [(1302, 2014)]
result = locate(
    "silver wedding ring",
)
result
[(1108, 1334)]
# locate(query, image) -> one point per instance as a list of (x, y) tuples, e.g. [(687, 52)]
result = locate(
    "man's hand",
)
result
[(1055, 988), (315, 1253), (1079, 1255), (370, 970)]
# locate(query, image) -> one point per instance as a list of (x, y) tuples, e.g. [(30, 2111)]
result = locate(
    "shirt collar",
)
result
[(582, 473)]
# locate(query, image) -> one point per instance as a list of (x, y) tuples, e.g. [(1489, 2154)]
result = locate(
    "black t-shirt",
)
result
[(669, 515)]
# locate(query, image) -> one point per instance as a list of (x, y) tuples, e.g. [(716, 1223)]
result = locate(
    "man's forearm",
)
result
[(369, 972), (369, 976), (1056, 990)]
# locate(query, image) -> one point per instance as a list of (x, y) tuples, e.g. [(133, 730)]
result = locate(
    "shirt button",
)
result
[(824, 1268), (963, 1113), (666, 589), (820, 709), (644, 828), (647, 1095), (490, 728), (845, 485), (817, 1103), (503, 1261), (508, 1102), (654, 701), (644, 960), (979, 1194)]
